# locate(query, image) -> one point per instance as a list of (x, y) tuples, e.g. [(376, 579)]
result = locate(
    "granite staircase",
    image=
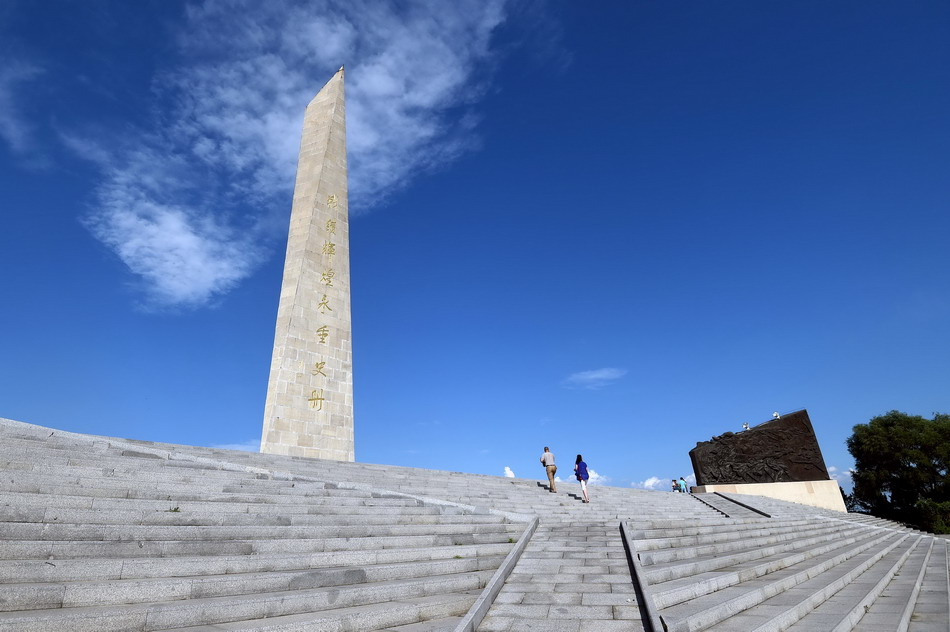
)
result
[(98, 537), (111, 534)]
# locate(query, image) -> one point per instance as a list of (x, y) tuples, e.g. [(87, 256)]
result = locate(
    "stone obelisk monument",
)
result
[(309, 407)]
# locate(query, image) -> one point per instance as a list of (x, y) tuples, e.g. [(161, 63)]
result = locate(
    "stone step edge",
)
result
[(645, 533), (82, 549), (275, 474), (851, 619), (815, 544), (651, 622), (484, 602), (719, 548), (41, 532), (395, 614), (887, 526), (818, 597), (682, 594), (710, 505), (664, 541), (742, 504), (369, 574), (912, 600), (208, 610), (723, 610), (173, 452), (318, 560)]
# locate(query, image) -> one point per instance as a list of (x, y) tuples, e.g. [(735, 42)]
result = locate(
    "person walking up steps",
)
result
[(547, 460), (580, 470)]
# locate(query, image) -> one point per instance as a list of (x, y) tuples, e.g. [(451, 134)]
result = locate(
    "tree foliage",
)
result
[(901, 467)]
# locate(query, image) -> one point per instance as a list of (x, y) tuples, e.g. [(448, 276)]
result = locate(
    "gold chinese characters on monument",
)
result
[(327, 275)]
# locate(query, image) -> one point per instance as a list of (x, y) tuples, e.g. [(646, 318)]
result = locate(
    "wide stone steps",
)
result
[(799, 603), (327, 515), (105, 537), (754, 557), (110, 534), (104, 498), (224, 505), (143, 533), (155, 487), (726, 575), (72, 594), (447, 624), (437, 613), (728, 507), (821, 570), (687, 525), (728, 550), (572, 576), (45, 571), (842, 604), (52, 550), (932, 606), (203, 611), (658, 539)]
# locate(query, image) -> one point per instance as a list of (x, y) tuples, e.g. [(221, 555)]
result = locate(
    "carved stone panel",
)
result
[(778, 451)]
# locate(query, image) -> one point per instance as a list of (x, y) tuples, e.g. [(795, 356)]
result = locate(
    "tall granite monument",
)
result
[(309, 406)]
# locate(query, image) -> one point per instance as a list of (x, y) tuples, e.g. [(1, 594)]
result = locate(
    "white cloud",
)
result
[(508, 472), (596, 379), (662, 484), (651, 483), (193, 206), (843, 477), (251, 445), (14, 128), (594, 478)]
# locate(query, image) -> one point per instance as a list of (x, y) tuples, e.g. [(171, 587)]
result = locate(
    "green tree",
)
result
[(849, 503), (901, 465)]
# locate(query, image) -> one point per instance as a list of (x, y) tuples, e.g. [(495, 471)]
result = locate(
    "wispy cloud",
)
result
[(15, 129), (596, 379), (508, 472), (193, 205), (251, 445)]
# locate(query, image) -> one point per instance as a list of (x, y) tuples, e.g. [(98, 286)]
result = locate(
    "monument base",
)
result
[(823, 494)]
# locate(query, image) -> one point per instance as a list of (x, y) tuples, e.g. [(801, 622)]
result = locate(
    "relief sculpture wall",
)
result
[(778, 451)]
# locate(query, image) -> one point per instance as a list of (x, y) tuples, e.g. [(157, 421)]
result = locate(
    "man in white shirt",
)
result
[(547, 460)]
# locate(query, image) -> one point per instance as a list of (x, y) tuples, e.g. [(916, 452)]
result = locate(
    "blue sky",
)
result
[(614, 230)]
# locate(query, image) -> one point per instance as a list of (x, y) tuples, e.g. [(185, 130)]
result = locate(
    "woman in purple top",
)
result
[(580, 470)]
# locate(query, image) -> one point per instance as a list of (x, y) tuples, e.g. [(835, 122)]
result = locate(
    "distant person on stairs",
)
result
[(547, 460), (580, 471), (676, 486), (682, 485)]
